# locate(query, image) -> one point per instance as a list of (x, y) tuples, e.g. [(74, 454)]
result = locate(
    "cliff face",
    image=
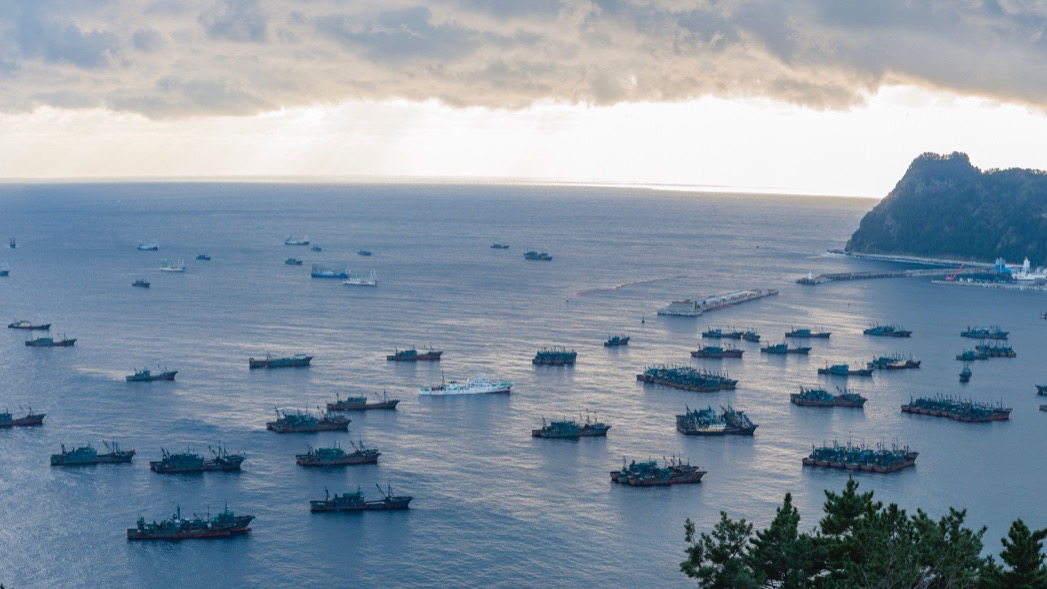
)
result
[(946, 208)]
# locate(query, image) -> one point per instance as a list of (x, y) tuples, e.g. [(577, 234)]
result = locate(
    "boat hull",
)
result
[(51, 344), (279, 362), (320, 427), (339, 406), (426, 357), (114, 458), (349, 459), (152, 377), (27, 421)]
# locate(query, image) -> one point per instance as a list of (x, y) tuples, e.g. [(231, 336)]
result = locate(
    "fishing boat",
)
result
[(296, 240), (348, 502), (316, 248), (894, 362), (12, 243), (293, 262), (140, 283), (49, 342), (822, 398), (146, 375), (500, 246), (412, 355), (844, 370), (991, 332), (335, 456), (363, 252), (649, 474), (320, 271), (706, 422), (189, 461), (687, 379), (616, 340), (750, 335), (806, 333), (166, 266), (28, 420), (150, 246), (965, 374), (554, 357), (4, 270), (719, 333), (478, 385), (884, 330), (537, 256), (23, 324), (370, 280), (567, 429), (361, 404), (880, 458), (964, 410), (88, 455), (969, 355), (304, 422), (717, 352), (203, 257), (287, 362), (995, 350), (1041, 389), (223, 525), (783, 348)]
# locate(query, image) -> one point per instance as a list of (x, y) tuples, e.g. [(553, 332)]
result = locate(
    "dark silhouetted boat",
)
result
[(964, 410), (356, 502), (555, 357), (88, 455), (995, 350), (412, 355), (361, 404), (750, 335), (879, 459), (717, 352), (140, 283), (320, 271), (146, 375), (303, 422), (687, 379), (844, 370), (223, 525), (822, 398), (894, 362), (719, 333), (500, 246), (203, 257), (616, 340), (296, 240), (649, 474), (806, 333), (1041, 389), (188, 462), (971, 355), (537, 256), (151, 246), (991, 332), (287, 362), (965, 374), (293, 262), (888, 331), (570, 430), (48, 342), (29, 325), (784, 348), (363, 253), (30, 419), (335, 456)]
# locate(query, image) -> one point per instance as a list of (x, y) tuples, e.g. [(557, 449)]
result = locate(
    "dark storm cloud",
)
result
[(204, 57)]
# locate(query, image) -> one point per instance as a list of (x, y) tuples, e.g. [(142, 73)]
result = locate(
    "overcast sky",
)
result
[(819, 96)]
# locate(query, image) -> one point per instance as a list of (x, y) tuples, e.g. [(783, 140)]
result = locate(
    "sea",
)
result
[(493, 507)]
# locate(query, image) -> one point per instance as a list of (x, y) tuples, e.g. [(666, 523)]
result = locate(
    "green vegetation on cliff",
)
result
[(946, 208), (859, 544)]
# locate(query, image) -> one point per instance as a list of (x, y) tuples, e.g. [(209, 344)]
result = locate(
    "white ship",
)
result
[(370, 280), (291, 240), (143, 246), (479, 385), (694, 308), (178, 266)]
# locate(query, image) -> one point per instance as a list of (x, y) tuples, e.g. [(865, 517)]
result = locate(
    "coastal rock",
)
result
[(944, 207)]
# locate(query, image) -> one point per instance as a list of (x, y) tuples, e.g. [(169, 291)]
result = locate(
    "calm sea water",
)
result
[(493, 507)]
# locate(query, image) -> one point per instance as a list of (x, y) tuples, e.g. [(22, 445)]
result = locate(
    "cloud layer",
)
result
[(238, 57)]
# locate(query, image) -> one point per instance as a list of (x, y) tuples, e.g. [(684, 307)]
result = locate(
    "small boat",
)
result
[(178, 266), (12, 244), (30, 419), (286, 362), (965, 374), (361, 404), (4, 270), (141, 283), (224, 525), (412, 355), (293, 262), (1041, 389), (146, 375), (616, 340), (316, 248), (47, 342), (203, 257), (784, 348), (539, 256), (750, 335), (23, 324), (296, 241), (717, 352), (571, 430), (302, 422), (888, 331), (348, 502), (337, 457), (320, 271), (88, 455), (500, 246), (150, 246), (895, 362), (369, 280), (991, 332), (363, 252), (719, 333), (844, 370), (805, 333)]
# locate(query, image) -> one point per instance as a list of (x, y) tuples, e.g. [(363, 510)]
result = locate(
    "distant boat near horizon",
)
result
[(370, 280), (178, 266), (150, 246), (287, 362), (291, 240), (49, 342), (4, 270), (23, 324), (141, 283)]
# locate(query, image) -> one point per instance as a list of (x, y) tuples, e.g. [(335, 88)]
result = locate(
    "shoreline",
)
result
[(901, 258)]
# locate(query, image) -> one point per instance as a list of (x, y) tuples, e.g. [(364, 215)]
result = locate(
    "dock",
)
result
[(841, 276), (694, 308)]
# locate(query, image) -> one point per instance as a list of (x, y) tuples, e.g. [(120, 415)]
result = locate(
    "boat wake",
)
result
[(622, 285)]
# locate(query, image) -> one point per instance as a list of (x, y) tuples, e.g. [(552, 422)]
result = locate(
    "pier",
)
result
[(840, 276)]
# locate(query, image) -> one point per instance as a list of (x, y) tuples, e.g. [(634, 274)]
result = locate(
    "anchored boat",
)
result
[(223, 525), (23, 324), (146, 375), (687, 378), (302, 422), (705, 422), (537, 256), (293, 262), (616, 340), (649, 474), (894, 362), (140, 283), (296, 240), (479, 385), (48, 342), (555, 357), (965, 375), (286, 362), (844, 370), (805, 333), (783, 348), (356, 502), (370, 280), (30, 419), (151, 246), (822, 398), (888, 331), (412, 355), (189, 461), (991, 332), (717, 352), (361, 404), (88, 455), (178, 266), (337, 457), (959, 409), (320, 271), (570, 429), (879, 459)]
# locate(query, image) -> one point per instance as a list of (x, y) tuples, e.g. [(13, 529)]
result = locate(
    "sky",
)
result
[(828, 97)]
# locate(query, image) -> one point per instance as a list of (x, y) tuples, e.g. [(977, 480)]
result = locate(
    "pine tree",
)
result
[(718, 559), (780, 556), (1023, 554)]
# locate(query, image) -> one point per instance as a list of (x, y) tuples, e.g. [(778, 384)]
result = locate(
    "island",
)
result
[(945, 208)]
